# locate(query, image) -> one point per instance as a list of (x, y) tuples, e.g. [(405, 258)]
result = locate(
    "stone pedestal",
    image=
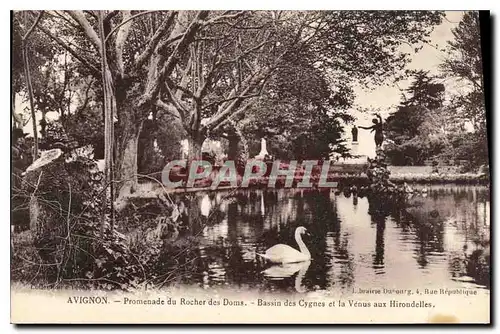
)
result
[(355, 148), (263, 149)]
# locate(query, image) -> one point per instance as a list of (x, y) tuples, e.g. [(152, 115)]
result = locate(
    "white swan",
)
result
[(281, 253)]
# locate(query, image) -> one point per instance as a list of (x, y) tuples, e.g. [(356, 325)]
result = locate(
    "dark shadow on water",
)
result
[(379, 210)]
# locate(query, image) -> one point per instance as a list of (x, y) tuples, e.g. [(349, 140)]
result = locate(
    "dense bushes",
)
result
[(66, 241)]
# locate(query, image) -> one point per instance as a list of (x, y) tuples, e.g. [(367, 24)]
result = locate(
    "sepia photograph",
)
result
[(250, 166)]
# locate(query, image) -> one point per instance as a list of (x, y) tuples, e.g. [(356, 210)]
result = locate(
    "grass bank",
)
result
[(424, 174)]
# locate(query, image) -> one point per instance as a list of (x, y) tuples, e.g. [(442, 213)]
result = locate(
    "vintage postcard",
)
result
[(252, 167)]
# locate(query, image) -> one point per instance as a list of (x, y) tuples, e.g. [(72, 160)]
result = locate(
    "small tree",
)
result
[(414, 131)]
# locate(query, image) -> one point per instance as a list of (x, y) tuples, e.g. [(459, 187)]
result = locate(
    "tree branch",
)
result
[(236, 102), (121, 37), (85, 102), (109, 16), (208, 80), (246, 52), (232, 96), (79, 17), (182, 89), (224, 16), (176, 103), (171, 110), (60, 15), (234, 114), (162, 29), (30, 30), (125, 21), (184, 79), (94, 70), (153, 86), (187, 38)]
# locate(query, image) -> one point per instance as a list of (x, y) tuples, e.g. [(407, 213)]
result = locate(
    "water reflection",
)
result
[(439, 240), (281, 271), (205, 206)]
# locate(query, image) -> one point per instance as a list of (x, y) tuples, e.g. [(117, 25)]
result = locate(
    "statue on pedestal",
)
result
[(354, 133), (263, 150)]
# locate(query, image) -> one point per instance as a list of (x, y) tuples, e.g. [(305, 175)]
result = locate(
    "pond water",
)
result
[(438, 239)]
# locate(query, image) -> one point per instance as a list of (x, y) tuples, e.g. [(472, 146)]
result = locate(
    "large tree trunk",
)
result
[(238, 148), (127, 133), (195, 142), (233, 147), (126, 157)]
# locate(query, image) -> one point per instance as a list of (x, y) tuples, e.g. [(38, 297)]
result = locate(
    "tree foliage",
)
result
[(415, 131), (207, 68), (424, 127), (465, 63), (300, 114)]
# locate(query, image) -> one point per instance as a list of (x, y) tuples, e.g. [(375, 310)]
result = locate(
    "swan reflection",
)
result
[(278, 272)]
